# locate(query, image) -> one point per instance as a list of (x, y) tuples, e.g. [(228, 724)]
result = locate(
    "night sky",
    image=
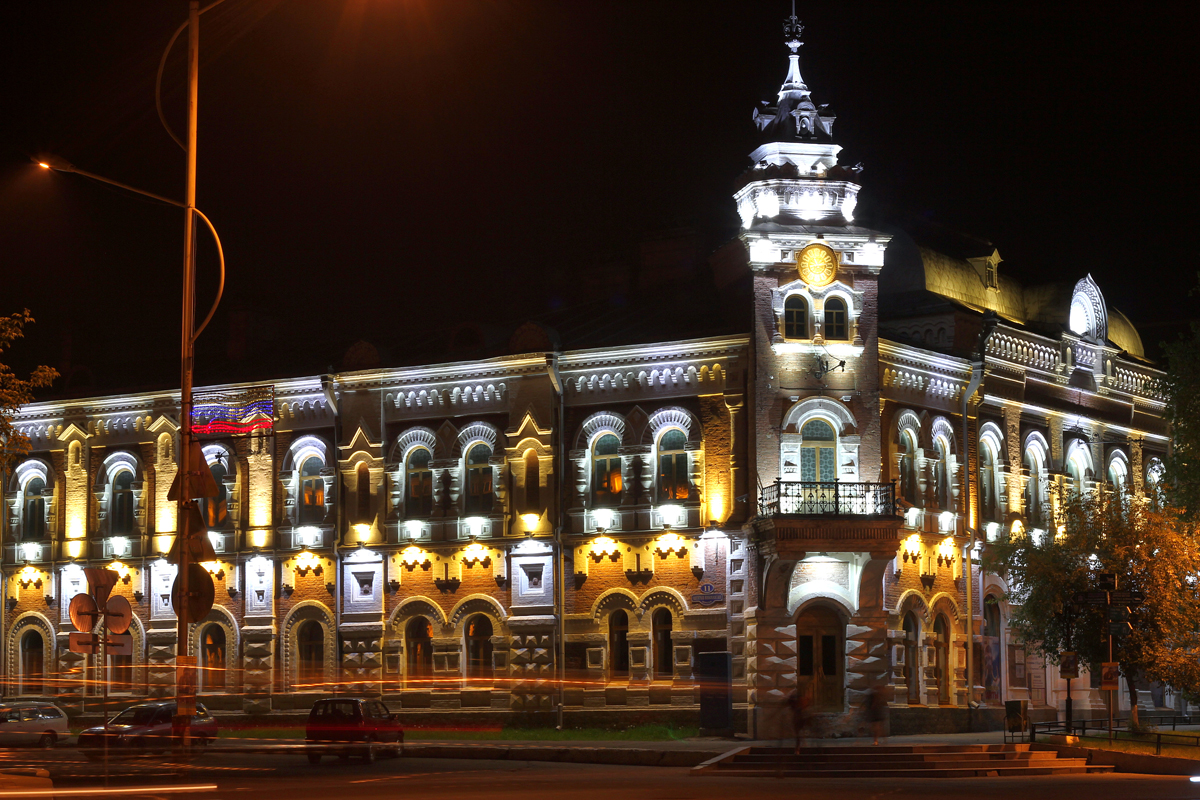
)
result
[(394, 170)]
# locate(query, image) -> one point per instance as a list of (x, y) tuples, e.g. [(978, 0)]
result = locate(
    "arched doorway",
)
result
[(992, 654), (418, 651), (310, 655), (912, 660), (618, 644), (212, 655), (821, 657), (661, 623), (941, 648), (479, 647), (33, 662)]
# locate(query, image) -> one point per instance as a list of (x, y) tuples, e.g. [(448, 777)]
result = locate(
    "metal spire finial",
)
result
[(792, 30)]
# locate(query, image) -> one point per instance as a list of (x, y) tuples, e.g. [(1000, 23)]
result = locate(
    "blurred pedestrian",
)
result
[(876, 711), (800, 704)]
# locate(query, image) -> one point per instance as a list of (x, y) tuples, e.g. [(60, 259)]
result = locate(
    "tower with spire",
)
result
[(816, 417)]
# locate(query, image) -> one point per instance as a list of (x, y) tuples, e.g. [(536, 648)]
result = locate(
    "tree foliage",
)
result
[(1150, 548), (15, 391)]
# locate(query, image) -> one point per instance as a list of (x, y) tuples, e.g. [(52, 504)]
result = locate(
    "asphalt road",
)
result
[(291, 777)]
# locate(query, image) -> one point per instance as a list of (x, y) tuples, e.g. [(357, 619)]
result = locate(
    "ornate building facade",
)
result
[(463, 536)]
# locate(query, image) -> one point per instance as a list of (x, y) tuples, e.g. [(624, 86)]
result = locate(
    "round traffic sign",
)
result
[(118, 614), (83, 612), (201, 593)]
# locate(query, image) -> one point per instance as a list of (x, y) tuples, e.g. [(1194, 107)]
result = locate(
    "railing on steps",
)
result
[(1100, 728), (815, 498)]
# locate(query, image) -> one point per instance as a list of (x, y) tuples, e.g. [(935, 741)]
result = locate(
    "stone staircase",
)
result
[(896, 761)]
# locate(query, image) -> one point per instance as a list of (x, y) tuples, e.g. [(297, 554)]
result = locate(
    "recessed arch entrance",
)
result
[(821, 656), (912, 660)]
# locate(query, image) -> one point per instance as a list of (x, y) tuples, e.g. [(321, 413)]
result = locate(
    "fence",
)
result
[(828, 497), (1099, 727)]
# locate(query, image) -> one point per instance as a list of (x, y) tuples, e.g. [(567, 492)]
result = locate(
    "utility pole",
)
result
[(185, 690)]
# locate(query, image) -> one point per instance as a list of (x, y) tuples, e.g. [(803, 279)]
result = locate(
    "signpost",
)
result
[(84, 610)]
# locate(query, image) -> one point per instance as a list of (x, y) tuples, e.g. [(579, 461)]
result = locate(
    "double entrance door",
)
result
[(821, 657)]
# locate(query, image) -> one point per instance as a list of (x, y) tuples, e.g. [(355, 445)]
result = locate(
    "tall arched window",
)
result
[(618, 644), (212, 655), (606, 471), (673, 483), (419, 479), (33, 523), (479, 480), (479, 647), (312, 490), (1118, 475), (1035, 499), (418, 650), (661, 624), (835, 319), (1077, 471), (941, 649), (533, 482), (908, 468), (122, 503), (942, 473), (987, 481), (818, 452), (33, 662), (362, 493), (310, 655), (216, 509), (795, 318)]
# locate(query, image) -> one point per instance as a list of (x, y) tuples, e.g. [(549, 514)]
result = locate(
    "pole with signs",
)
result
[(115, 619)]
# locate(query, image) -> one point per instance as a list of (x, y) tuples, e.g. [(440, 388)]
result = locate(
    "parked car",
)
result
[(346, 726), (145, 727), (32, 722)]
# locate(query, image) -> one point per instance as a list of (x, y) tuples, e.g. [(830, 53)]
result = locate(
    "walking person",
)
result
[(800, 704), (876, 711)]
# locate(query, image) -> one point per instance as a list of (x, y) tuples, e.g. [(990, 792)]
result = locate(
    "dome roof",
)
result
[(1122, 333)]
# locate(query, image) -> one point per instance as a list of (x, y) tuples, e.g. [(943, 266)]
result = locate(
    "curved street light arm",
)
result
[(162, 63), (220, 284)]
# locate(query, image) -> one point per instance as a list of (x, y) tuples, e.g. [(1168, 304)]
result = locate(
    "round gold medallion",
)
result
[(818, 264)]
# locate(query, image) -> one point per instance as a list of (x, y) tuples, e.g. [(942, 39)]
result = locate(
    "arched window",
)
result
[(988, 475), (942, 473), (606, 471), (818, 452), (908, 468), (1034, 492), (941, 649), (835, 319), (362, 492), (795, 318), (310, 655), (673, 483), (33, 662), (122, 503), (479, 647), (216, 509), (661, 623), (1118, 475), (212, 655), (33, 524), (618, 644), (419, 479), (533, 482), (418, 650), (912, 658), (479, 480), (1077, 471), (312, 490)]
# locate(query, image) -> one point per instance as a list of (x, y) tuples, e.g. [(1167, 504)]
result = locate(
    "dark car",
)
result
[(145, 728), (348, 726)]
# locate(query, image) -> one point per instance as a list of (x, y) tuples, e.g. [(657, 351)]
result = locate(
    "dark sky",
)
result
[(391, 170)]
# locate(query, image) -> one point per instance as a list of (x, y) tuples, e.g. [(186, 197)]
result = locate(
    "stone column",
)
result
[(1012, 443)]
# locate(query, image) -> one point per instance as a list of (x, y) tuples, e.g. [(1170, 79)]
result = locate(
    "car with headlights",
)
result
[(145, 728), (32, 722), (346, 726)]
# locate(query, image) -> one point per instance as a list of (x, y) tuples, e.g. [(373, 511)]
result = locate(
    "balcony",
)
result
[(832, 498)]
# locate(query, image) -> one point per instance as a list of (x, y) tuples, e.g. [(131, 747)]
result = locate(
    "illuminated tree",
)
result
[(1155, 551), (16, 392), (1182, 387)]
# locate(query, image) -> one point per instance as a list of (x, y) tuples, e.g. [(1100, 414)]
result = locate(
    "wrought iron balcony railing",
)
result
[(814, 498)]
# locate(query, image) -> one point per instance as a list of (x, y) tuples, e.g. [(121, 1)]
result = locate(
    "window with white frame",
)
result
[(795, 318), (312, 490), (942, 470), (1078, 469), (836, 324), (673, 481), (419, 480), (216, 509), (909, 487), (818, 452), (479, 480), (606, 471), (989, 480), (33, 511), (1035, 492), (121, 517), (1118, 474)]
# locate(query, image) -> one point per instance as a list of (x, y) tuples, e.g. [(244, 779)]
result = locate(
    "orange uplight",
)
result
[(43, 165)]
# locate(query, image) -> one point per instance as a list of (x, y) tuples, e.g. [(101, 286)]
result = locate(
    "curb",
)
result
[(638, 757)]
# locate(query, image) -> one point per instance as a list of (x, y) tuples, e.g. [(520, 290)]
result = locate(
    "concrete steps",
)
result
[(896, 761)]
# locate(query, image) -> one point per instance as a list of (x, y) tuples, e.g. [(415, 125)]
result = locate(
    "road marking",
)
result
[(100, 790)]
